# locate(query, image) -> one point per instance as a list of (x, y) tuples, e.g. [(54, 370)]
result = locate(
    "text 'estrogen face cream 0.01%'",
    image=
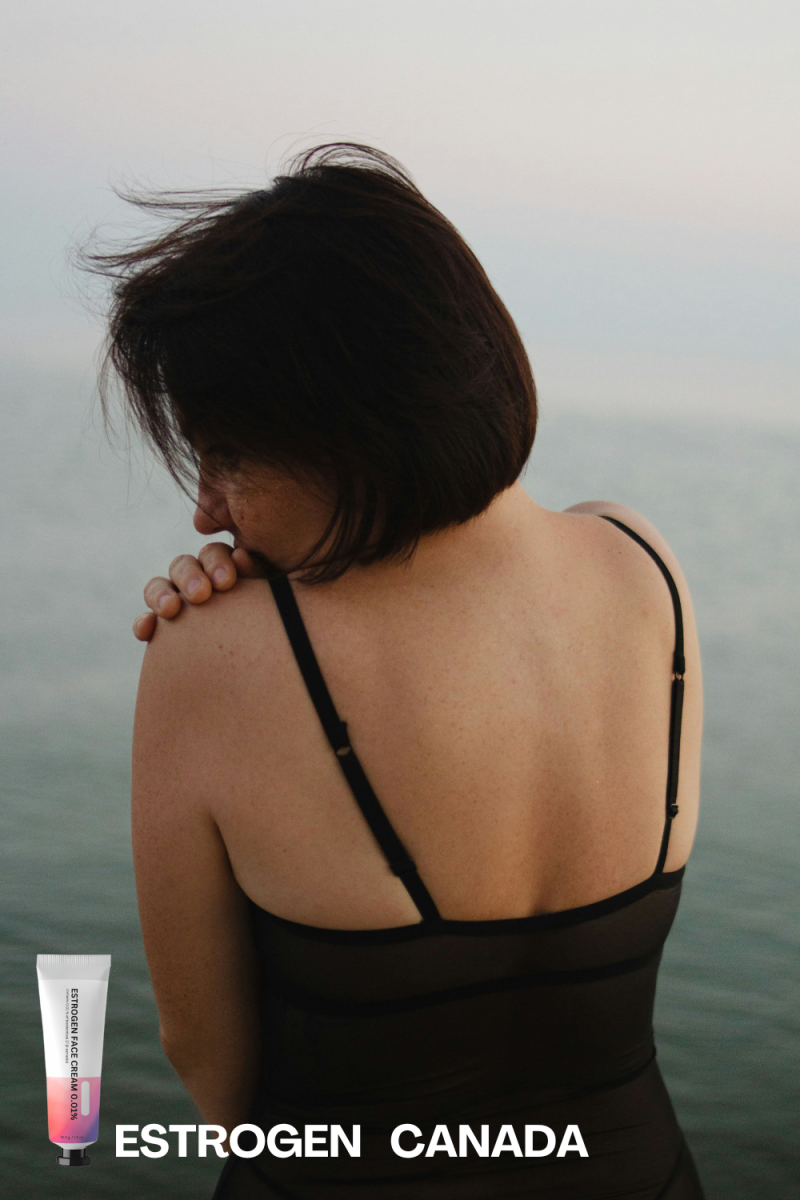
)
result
[(72, 992)]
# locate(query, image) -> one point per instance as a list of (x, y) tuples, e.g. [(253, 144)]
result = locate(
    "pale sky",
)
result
[(626, 169)]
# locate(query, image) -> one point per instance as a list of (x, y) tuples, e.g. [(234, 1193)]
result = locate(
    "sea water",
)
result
[(83, 531)]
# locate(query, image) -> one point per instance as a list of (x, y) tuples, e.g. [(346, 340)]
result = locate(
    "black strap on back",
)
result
[(397, 856), (676, 705), (335, 729)]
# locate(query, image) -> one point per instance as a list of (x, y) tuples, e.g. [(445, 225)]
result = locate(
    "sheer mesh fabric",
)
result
[(544, 1020)]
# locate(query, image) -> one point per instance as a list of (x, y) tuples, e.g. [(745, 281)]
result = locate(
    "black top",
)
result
[(532, 1021)]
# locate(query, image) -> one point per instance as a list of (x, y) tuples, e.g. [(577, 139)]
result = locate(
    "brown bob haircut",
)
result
[(335, 326)]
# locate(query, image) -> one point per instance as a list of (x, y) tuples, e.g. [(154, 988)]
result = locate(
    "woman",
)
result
[(411, 814)]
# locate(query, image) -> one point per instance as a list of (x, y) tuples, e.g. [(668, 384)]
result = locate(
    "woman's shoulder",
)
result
[(214, 647), (630, 583), (637, 580), (627, 562), (630, 518)]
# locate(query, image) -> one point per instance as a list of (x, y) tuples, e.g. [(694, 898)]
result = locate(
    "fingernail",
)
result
[(194, 586), (220, 575), (162, 600)]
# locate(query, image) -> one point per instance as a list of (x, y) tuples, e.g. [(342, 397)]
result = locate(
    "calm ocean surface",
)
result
[(83, 533)]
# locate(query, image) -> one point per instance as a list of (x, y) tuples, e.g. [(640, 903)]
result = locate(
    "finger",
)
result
[(215, 559), (162, 598), (144, 626), (246, 565), (187, 573)]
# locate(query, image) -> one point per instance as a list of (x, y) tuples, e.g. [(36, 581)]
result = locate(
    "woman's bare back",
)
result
[(507, 693)]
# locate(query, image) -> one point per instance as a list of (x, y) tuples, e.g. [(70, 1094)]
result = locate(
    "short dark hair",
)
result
[(335, 325)]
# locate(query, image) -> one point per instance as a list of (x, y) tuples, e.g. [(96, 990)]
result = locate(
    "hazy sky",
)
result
[(626, 169)]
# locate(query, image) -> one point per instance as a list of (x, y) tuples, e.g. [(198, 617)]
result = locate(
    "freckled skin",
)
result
[(507, 691)]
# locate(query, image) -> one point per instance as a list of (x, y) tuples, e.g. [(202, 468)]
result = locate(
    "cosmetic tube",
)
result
[(72, 994)]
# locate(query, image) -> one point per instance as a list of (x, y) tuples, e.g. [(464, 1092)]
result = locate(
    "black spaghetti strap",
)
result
[(676, 704), (335, 729)]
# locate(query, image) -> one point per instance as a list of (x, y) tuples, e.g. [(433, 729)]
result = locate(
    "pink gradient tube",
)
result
[(72, 992)]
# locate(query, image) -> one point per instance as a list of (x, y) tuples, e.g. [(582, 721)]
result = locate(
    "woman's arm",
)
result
[(194, 915)]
